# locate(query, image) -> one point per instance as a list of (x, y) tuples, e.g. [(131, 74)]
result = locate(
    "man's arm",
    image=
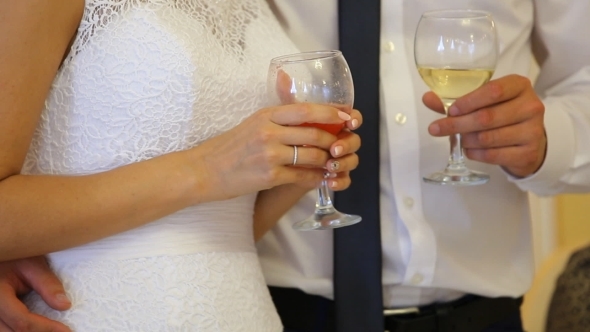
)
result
[(563, 53)]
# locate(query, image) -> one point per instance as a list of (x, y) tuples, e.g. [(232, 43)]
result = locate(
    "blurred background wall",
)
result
[(561, 225)]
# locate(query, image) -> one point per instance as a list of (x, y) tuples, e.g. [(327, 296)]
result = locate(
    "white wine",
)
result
[(453, 83)]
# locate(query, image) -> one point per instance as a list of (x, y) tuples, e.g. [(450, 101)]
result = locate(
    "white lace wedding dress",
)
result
[(144, 78)]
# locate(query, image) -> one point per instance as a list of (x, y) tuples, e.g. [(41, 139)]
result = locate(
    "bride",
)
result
[(136, 151)]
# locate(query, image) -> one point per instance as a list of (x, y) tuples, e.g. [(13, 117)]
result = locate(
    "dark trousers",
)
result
[(301, 312), (510, 324)]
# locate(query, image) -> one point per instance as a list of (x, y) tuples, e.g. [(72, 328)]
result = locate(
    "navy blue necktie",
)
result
[(357, 249)]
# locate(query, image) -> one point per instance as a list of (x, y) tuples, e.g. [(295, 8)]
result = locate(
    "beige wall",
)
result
[(563, 225), (572, 219)]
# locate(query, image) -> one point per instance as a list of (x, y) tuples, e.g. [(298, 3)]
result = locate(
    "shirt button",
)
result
[(417, 279), (408, 202), (400, 118), (388, 47)]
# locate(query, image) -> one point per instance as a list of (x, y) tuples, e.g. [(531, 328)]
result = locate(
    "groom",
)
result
[(432, 258), (450, 257)]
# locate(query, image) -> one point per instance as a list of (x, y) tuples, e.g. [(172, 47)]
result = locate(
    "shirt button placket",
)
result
[(408, 202), (400, 119), (388, 47), (417, 279)]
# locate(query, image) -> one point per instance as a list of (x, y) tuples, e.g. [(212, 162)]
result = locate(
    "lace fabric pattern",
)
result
[(145, 78), (148, 77), (200, 292)]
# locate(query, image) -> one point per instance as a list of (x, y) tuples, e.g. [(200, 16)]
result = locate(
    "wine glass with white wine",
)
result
[(456, 52)]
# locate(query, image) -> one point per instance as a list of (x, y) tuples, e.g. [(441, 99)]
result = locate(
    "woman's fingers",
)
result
[(343, 150), (306, 136), (303, 176), (296, 114), (283, 87), (345, 164), (356, 119), (312, 164), (339, 181), (271, 148), (298, 119), (348, 142), (345, 142), (307, 156), (312, 178)]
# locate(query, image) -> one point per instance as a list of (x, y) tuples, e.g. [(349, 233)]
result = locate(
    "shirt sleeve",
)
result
[(563, 50)]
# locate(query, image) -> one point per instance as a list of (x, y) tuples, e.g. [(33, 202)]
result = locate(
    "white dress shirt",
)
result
[(441, 242)]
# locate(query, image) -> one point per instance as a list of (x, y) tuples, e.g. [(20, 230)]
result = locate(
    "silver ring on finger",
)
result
[(294, 155)]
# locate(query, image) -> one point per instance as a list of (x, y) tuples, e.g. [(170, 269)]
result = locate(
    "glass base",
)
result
[(465, 178), (321, 220)]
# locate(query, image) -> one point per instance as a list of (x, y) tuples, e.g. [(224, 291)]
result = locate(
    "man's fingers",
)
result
[(41, 278), (491, 93), (483, 119), (44, 324), (432, 101), (13, 312), (36, 323), (518, 134), (512, 157), (16, 316), (4, 327)]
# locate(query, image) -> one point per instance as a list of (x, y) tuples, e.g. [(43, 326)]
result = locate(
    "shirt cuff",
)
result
[(561, 147)]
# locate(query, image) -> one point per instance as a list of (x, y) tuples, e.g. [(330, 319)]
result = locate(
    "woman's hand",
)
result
[(272, 204), (258, 153)]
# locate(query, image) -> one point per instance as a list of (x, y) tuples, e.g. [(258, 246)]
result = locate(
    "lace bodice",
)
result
[(144, 78), (148, 77)]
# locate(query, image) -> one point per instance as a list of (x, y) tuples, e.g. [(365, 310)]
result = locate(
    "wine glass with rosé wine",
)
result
[(320, 77)]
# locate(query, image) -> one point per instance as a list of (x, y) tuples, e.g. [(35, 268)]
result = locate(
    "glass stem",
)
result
[(456, 158), (456, 150), (323, 204)]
